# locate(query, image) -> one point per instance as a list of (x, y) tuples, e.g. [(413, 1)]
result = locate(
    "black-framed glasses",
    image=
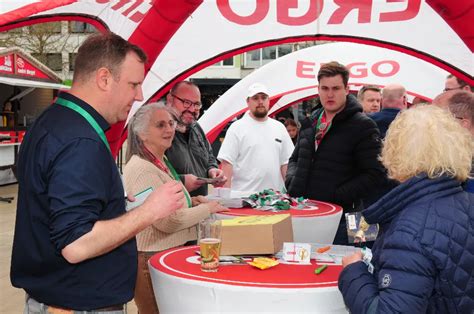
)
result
[(163, 124), (447, 89), (188, 103)]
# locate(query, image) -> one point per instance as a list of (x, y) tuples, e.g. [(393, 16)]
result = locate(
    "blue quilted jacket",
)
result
[(423, 256)]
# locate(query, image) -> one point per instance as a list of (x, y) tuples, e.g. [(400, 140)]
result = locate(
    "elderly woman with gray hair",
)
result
[(423, 258), (150, 134)]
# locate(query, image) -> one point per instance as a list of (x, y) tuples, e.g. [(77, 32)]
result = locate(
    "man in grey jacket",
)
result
[(191, 154)]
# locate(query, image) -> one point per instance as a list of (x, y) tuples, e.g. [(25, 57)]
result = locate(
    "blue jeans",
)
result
[(34, 307)]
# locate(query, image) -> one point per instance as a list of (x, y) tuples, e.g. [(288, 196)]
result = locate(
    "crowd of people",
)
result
[(77, 248)]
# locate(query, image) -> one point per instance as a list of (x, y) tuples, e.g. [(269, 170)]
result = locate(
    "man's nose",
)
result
[(139, 94)]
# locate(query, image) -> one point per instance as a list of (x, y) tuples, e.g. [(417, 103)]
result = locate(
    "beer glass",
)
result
[(209, 237)]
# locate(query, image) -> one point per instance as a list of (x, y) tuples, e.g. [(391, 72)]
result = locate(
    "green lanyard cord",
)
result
[(176, 177), (85, 115)]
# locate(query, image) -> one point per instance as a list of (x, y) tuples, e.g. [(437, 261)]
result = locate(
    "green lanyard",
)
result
[(85, 115), (176, 177)]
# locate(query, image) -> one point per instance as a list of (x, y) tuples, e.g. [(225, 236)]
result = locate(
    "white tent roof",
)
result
[(30, 83)]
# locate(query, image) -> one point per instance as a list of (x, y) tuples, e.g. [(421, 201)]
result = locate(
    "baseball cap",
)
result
[(256, 88)]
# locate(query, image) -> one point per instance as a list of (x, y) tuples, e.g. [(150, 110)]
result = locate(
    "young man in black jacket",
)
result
[(335, 158)]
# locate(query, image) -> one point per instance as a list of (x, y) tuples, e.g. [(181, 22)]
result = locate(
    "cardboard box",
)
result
[(252, 235)]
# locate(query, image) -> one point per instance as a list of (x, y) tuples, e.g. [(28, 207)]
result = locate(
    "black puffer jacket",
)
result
[(345, 167)]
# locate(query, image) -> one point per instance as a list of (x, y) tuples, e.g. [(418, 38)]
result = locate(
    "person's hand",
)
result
[(165, 200), (218, 174), (349, 259), (191, 182), (196, 200), (216, 207)]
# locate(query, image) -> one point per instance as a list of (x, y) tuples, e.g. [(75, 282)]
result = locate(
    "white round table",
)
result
[(181, 287)]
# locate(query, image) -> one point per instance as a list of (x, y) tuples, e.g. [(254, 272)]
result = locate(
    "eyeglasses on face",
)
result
[(447, 89), (163, 124), (188, 103)]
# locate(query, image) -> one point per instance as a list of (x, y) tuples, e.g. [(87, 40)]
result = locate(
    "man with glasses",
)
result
[(335, 158), (256, 148), (191, 154), (454, 83)]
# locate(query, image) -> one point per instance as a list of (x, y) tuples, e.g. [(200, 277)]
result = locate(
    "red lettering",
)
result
[(120, 4), (283, 7), (360, 72), (136, 16), (395, 67), (132, 7), (261, 10), (384, 68), (304, 66), (413, 7), (345, 7)]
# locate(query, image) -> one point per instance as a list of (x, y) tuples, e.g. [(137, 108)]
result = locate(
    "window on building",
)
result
[(45, 28), (284, 50), (253, 58), (259, 57), (72, 61), (54, 61), (229, 62), (81, 27)]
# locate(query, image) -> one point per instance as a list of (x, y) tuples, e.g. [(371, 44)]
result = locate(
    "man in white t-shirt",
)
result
[(256, 149)]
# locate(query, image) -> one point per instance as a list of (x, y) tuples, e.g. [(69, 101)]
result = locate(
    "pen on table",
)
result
[(319, 270)]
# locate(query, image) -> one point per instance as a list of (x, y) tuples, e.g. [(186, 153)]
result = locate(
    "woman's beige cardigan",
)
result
[(168, 232)]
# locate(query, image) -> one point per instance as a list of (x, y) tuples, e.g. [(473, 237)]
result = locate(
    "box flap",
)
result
[(255, 220)]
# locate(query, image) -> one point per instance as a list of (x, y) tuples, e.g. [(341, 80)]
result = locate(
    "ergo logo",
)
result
[(383, 68)]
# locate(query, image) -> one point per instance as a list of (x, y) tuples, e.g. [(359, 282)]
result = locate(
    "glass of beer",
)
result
[(209, 236)]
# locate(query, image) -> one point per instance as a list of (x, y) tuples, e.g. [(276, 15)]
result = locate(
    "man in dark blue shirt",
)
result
[(394, 99), (74, 245)]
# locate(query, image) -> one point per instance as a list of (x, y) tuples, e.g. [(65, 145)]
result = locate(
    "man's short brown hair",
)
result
[(360, 94), (334, 68), (460, 82), (106, 50), (461, 104)]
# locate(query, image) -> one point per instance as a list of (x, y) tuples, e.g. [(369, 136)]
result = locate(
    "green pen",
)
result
[(319, 270)]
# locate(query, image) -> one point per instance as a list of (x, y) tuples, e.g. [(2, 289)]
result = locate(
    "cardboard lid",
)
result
[(255, 220)]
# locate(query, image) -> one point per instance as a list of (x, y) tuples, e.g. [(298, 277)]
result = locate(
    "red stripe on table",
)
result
[(324, 209), (173, 262)]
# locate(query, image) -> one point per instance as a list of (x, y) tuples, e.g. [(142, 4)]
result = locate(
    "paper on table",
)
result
[(332, 256)]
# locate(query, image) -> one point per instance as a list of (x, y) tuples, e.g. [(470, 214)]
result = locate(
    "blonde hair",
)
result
[(427, 139)]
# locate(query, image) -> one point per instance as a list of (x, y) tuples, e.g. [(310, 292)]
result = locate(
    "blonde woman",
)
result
[(424, 255), (150, 134)]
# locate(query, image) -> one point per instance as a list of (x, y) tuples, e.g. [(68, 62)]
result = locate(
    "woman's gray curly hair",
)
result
[(138, 127)]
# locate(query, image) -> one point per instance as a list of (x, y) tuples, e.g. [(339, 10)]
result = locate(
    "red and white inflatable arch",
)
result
[(293, 77), (184, 36)]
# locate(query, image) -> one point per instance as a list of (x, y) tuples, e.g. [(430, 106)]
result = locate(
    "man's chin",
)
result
[(187, 122)]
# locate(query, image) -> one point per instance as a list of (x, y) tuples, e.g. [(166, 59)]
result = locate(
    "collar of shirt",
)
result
[(104, 125)]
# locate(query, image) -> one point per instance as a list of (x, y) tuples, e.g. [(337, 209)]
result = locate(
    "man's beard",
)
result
[(183, 126), (259, 113)]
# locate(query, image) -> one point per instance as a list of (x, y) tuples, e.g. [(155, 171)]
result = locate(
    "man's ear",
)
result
[(103, 78), (169, 99)]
